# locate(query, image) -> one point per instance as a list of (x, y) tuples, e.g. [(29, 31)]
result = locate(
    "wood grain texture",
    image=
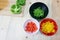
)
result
[(56, 8), (56, 15), (3, 4)]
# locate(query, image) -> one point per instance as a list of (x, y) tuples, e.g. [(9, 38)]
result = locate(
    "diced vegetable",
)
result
[(31, 27), (38, 12), (48, 27)]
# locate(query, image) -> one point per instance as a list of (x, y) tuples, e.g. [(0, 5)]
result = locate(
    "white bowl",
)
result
[(37, 24)]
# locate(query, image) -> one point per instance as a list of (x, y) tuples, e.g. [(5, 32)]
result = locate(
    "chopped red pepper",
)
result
[(31, 27)]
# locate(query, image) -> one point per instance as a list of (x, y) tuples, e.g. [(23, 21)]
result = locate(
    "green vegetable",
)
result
[(21, 2), (16, 9), (38, 12)]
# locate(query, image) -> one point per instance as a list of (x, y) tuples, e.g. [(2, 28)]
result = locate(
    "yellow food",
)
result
[(53, 30), (48, 27)]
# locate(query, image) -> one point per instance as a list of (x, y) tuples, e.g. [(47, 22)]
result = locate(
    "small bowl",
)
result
[(36, 5), (54, 23), (32, 20)]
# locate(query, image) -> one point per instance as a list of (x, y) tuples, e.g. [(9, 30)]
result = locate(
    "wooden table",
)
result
[(56, 15)]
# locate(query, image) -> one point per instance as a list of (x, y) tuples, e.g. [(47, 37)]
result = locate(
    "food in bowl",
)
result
[(48, 26), (31, 26), (39, 10)]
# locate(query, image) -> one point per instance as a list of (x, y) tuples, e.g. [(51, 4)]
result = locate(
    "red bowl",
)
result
[(54, 23)]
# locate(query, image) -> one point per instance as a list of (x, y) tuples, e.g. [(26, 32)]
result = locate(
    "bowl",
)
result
[(48, 27), (36, 25), (37, 5)]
